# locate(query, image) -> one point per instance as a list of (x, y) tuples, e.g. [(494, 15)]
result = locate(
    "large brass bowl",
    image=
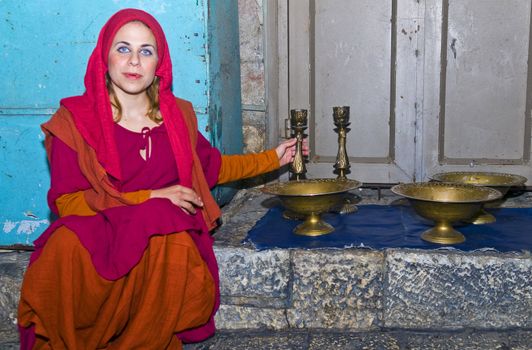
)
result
[(311, 198), (499, 181), (445, 203)]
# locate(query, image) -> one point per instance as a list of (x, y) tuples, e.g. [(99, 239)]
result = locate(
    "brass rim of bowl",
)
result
[(493, 194), (513, 179), (277, 189)]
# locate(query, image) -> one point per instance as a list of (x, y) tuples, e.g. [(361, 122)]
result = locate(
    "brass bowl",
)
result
[(445, 203), (498, 181), (311, 198)]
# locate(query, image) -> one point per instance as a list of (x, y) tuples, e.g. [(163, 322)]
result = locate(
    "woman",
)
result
[(129, 263)]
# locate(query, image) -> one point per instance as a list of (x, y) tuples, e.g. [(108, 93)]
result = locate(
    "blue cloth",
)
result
[(388, 226)]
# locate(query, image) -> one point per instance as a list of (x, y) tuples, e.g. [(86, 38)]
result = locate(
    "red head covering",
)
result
[(92, 111)]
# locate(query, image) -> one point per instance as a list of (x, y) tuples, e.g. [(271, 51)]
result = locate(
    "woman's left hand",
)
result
[(287, 150)]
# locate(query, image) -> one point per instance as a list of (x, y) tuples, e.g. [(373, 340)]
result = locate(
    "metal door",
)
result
[(433, 85), (477, 96)]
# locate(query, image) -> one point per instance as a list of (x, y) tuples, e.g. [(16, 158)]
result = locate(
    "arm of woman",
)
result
[(76, 204), (243, 166), (69, 187)]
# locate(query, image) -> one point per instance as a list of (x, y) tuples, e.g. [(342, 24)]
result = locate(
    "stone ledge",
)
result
[(446, 290), (361, 289)]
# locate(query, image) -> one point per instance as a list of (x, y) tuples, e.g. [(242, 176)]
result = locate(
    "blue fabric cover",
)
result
[(389, 226)]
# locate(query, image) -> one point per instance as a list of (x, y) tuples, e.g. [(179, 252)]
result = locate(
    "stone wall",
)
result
[(360, 289), (252, 74)]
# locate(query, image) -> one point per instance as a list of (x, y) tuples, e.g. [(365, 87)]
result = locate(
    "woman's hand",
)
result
[(287, 150), (183, 197)]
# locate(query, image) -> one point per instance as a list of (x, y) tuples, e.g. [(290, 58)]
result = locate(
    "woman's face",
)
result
[(132, 59)]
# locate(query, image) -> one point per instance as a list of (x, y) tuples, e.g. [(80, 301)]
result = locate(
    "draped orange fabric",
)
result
[(160, 296)]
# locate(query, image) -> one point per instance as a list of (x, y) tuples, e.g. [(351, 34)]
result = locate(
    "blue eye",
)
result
[(123, 49), (146, 52)]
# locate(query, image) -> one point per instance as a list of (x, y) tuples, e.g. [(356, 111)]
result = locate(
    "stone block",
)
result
[(450, 290), (249, 277), (339, 289), (12, 267), (248, 317)]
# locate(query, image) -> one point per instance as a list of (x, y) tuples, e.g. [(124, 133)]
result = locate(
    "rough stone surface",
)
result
[(246, 317), (12, 267), (470, 340), (369, 340), (251, 24), (253, 139), (336, 289), (254, 130), (240, 215), (251, 277), (377, 340), (454, 290), (254, 341)]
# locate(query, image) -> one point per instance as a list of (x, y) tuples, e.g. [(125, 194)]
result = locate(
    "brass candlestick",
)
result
[(298, 124), (341, 167), (341, 120)]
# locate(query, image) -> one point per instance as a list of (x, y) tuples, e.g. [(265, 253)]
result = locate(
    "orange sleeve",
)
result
[(243, 166), (75, 203)]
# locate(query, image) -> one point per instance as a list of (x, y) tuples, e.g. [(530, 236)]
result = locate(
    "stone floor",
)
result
[(383, 340), (389, 340)]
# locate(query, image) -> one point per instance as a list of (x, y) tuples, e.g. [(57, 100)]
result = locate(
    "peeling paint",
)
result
[(29, 226), (24, 227), (9, 226), (30, 215)]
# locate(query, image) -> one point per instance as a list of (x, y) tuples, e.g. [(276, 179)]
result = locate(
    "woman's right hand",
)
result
[(183, 197)]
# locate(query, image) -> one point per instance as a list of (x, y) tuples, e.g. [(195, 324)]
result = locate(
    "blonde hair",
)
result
[(153, 96)]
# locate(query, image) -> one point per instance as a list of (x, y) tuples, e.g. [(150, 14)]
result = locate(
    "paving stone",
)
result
[(12, 267), (371, 340), (336, 289), (374, 340), (470, 340), (254, 278), (255, 341), (454, 290)]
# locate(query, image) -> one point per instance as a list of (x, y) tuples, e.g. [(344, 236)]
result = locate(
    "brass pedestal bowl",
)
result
[(311, 198), (499, 181), (445, 203)]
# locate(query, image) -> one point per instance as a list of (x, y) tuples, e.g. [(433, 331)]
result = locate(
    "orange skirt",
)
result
[(72, 307)]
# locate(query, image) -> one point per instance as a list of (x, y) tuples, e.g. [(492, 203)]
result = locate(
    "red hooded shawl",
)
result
[(92, 111)]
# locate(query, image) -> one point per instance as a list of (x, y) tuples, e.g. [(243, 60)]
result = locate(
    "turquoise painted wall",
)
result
[(224, 77), (45, 47)]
